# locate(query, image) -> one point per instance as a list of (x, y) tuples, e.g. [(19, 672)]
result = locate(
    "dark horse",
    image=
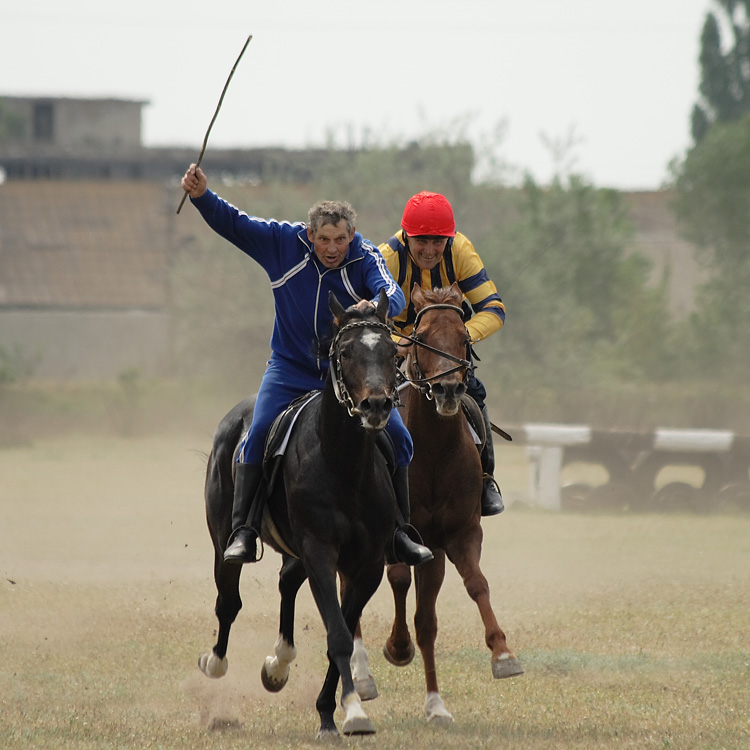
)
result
[(332, 509), (445, 482)]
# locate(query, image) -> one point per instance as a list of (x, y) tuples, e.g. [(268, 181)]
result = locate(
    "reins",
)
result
[(422, 383)]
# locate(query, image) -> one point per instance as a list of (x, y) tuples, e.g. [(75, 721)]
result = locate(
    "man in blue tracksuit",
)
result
[(304, 263)]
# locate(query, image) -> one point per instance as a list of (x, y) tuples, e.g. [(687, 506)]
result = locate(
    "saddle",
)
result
[(474, 417)]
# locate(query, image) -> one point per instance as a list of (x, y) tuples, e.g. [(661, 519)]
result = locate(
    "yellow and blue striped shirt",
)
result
[(461, 263)]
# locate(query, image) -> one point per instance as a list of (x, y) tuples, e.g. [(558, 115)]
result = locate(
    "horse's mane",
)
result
[(441, 295), (363, 310)]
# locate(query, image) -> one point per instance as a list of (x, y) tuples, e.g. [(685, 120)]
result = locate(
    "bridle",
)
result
[(339, 386), (420, 382)]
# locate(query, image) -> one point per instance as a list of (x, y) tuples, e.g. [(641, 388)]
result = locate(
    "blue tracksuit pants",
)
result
[(280, 385)]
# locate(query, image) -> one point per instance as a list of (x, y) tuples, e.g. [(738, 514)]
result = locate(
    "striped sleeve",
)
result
[(382, 278), (478, 288)]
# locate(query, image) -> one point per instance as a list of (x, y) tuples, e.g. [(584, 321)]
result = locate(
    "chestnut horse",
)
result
[(331, 512), (445, 481)]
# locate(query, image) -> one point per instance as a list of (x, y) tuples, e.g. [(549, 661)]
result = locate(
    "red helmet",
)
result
[(428, 214)]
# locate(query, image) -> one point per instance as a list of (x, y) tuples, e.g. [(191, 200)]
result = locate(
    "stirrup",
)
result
[(238, 549), (411, 553)]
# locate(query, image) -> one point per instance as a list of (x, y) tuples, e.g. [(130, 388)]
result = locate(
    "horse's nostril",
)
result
[(461, 389), (375, 404), (438, 389)]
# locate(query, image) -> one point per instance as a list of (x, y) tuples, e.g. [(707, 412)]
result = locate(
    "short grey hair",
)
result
[(331, 212)]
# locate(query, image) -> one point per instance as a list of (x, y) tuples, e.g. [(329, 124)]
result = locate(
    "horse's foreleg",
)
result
[(340, 646), (355, 596), (465, 556), (399, 648), (364, 682), (275, 671), (228, 604), (429, 579)]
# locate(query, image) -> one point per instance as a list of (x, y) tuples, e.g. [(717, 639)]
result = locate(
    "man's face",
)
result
[(427, 251), (331, 243)]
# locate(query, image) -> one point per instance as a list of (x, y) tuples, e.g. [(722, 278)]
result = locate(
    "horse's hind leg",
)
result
[(228, 604), (465, 556), (275, 671), (399, 648)]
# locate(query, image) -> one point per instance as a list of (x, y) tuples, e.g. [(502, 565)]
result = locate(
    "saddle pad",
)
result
[(281, 429)]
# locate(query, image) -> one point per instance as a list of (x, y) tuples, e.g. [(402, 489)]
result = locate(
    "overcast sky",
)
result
[(617, 79)]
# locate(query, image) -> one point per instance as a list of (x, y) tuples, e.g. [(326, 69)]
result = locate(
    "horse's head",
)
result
[(438, 362), (362, 356)]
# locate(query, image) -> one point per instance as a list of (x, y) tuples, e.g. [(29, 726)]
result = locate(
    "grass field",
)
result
[(633, 629)]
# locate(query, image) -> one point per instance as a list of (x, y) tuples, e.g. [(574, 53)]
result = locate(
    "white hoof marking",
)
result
[(356, 720), (275, 672), (212, 666), (435, 711), (364, 682)]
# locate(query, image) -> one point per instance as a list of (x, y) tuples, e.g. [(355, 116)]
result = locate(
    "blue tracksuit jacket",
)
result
[(300, 284)]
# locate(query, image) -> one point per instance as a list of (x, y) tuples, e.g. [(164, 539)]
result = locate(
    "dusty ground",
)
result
[(629, 626)]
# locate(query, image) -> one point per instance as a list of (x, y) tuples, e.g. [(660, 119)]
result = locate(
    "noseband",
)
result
[(339, 387), (421, 383)]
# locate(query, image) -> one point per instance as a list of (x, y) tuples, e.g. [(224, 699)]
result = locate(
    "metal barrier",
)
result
[(633, 462)]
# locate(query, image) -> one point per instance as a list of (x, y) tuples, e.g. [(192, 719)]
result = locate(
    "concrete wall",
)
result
[(82, 346), (82, 124)]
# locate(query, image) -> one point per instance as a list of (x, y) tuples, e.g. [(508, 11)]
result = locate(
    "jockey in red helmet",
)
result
[(428, 251)]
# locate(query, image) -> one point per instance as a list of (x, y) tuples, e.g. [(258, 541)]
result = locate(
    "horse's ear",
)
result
[(417, 297), (382, 306), (456, 291), (336, 308)]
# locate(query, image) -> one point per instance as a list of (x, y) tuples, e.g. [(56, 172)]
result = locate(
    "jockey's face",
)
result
[(331, 243), (427, 252)]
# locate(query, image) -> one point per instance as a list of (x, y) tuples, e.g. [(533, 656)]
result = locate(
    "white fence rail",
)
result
[(633, 461)]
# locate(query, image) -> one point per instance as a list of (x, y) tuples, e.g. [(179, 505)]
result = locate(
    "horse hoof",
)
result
[(509, 667), (399, 662), (366, 689), (270, 683), (212, 666), (356, 721), (436, 712), (358, 725), (328, 735), (440, 720)]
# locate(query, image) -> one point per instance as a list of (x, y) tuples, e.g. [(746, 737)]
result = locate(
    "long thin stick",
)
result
[(500, 431), (213, 119)]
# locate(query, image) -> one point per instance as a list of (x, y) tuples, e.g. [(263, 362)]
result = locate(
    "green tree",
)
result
[(579, 305), (712, 204), (724, 91), (713, 195)]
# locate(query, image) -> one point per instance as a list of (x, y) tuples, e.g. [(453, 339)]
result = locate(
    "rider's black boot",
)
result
[(492, 500), (241, 547), (405, 549)]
